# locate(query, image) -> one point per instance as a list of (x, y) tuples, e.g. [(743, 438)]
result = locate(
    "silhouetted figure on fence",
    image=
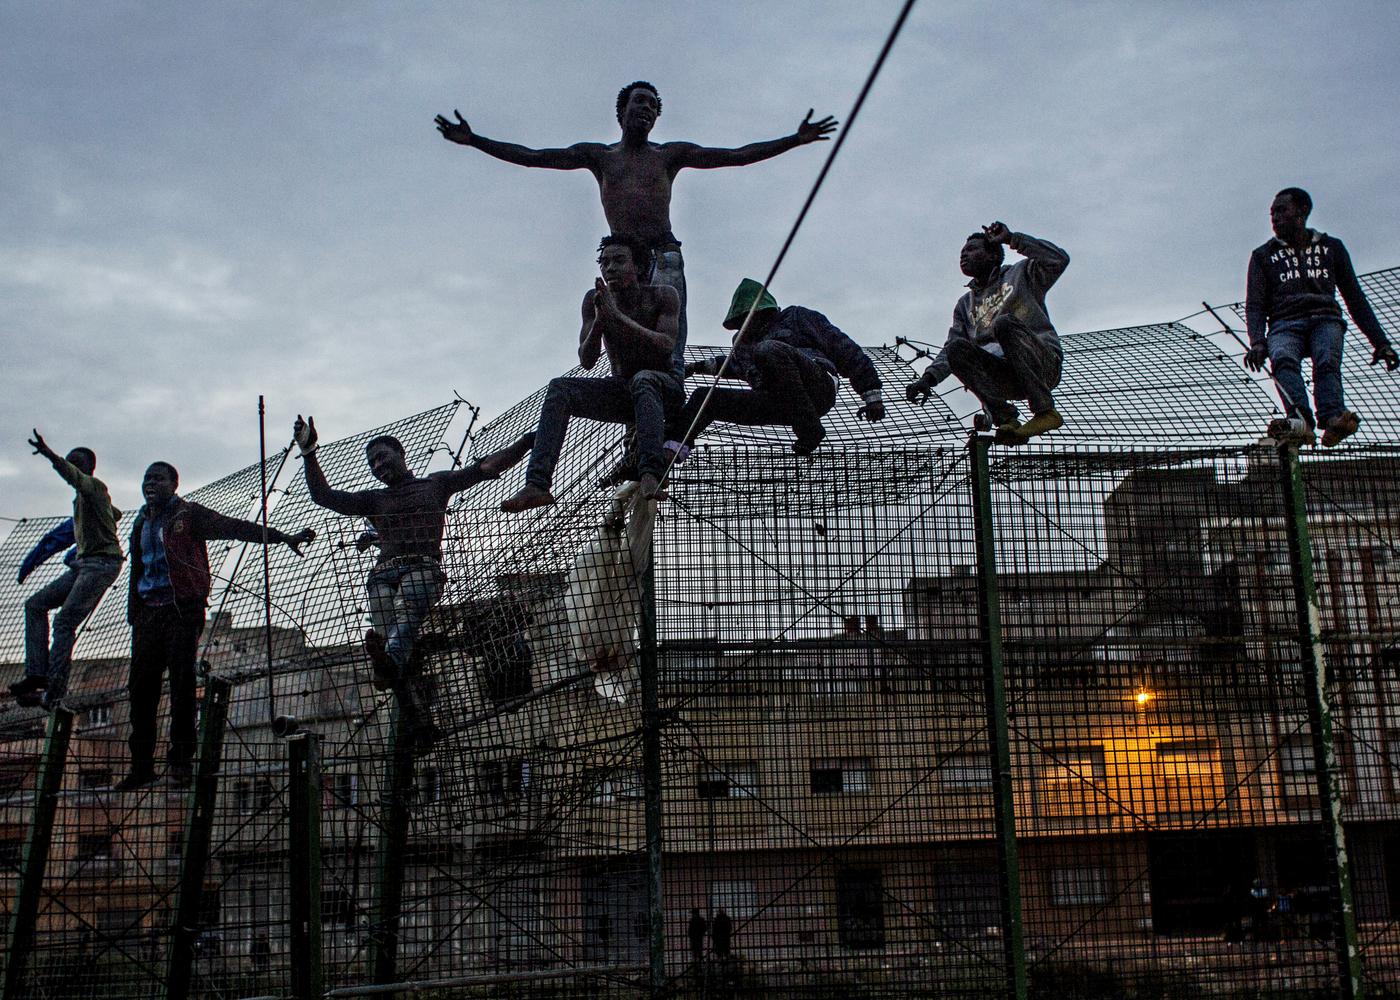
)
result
[(1291, 313), (1002, 345), (722, 933), (407, 517), (791, 357), (169, 587), (636, 325), (76, 593), (260, 952), (635, 176)]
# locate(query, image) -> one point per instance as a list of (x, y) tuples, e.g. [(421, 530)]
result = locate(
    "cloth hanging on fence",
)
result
[(604, 598)]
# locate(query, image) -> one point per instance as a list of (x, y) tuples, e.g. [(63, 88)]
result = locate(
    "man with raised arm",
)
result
[(792, 358), (75, 593), (1002, 345), (1291, 313), (635, 175), (636, 325), (408, 517), (168, 591)]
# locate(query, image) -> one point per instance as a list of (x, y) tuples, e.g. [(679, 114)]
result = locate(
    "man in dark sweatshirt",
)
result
[(1291, 312), (791, 357), (1002, 345), (77, 592), (169, 588)]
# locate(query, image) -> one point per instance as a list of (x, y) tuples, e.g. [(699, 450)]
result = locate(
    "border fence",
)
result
[(1112, 715)]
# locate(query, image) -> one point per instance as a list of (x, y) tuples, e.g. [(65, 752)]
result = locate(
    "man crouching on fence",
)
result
[(1002, 345), (408, 515), (636, 324)]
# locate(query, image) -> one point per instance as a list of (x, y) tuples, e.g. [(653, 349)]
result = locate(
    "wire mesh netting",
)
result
[(802, 797)]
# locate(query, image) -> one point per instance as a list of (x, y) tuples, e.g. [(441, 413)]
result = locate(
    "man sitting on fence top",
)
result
[(1291, 312), (408, 517), (636, 325), (791, 357), (1002, 345), (75, 593), (169, 588)]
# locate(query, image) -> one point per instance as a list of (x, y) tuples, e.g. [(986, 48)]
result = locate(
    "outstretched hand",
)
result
[(459, 131), (818, 131), (1256, 356), (303, 537), (1385, 353), (918, 391), (37, 443), (304, 433), (998, 232)]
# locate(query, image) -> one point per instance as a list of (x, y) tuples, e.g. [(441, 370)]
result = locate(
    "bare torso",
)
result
[(635, 185), (628, 354)]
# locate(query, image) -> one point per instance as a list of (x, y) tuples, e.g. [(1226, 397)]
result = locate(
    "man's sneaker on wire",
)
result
[(1339, 428), (676, 452), (385, 673), (28, 685), (1009, 432), (1292, 430)]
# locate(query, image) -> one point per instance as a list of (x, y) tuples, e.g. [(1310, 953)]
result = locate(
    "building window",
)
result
[(966, 771), (502, 780), (738, 898), (840, 776), (175, 845), (95, 777), (263, 794), (429, 785), (341, 789), (94, 847), (1295, 768), (243, 797), (1072, 765), (11, 851), (860, 908), (738, 780), (1079, 886), (97, 717)]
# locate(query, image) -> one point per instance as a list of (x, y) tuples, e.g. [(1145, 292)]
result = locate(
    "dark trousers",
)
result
[(789, 388), (162, 640), (1028, 368), (648, 397)]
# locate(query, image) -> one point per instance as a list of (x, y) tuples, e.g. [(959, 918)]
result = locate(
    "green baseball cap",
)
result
[(744, 296)]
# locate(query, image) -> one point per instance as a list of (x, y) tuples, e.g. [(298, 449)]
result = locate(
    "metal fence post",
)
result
[(36, 852), (994, 677), (651, 778), (304, 832), (1320, 713), (392, 846), (194, 857)]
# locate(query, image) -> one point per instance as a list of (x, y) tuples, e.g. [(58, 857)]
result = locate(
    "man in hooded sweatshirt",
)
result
[(791, 357), (1002, 345), (1291, 313), (77, 592)]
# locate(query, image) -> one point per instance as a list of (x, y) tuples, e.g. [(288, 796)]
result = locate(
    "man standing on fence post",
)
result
[(1291, 313), (1002, 345), (169, 589), (75, 593), (635, 176)]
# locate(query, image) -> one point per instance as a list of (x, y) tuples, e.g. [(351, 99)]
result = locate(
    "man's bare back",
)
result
[(635, 175)]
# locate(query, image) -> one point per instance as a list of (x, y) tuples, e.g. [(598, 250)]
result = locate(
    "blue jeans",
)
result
[(669, 269), (75, 594), (1319, 338), (400, 597)]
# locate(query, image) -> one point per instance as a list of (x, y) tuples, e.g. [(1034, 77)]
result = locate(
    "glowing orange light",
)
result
[(1142, 698)]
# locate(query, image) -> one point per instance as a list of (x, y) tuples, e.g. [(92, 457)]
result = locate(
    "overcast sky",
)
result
[(204, 202)]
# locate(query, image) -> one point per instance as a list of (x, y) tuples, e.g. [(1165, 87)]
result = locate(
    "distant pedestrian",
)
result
[(722, 933), (697, 929)]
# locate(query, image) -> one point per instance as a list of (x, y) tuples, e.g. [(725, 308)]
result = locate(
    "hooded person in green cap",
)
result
[(791, 357)]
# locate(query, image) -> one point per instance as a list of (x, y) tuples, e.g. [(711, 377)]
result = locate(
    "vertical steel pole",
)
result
[(994, 676), (391, 849), (36, 853), (304, 799), (651, 778), (194, 859), (1320, 716), (266, 556)]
